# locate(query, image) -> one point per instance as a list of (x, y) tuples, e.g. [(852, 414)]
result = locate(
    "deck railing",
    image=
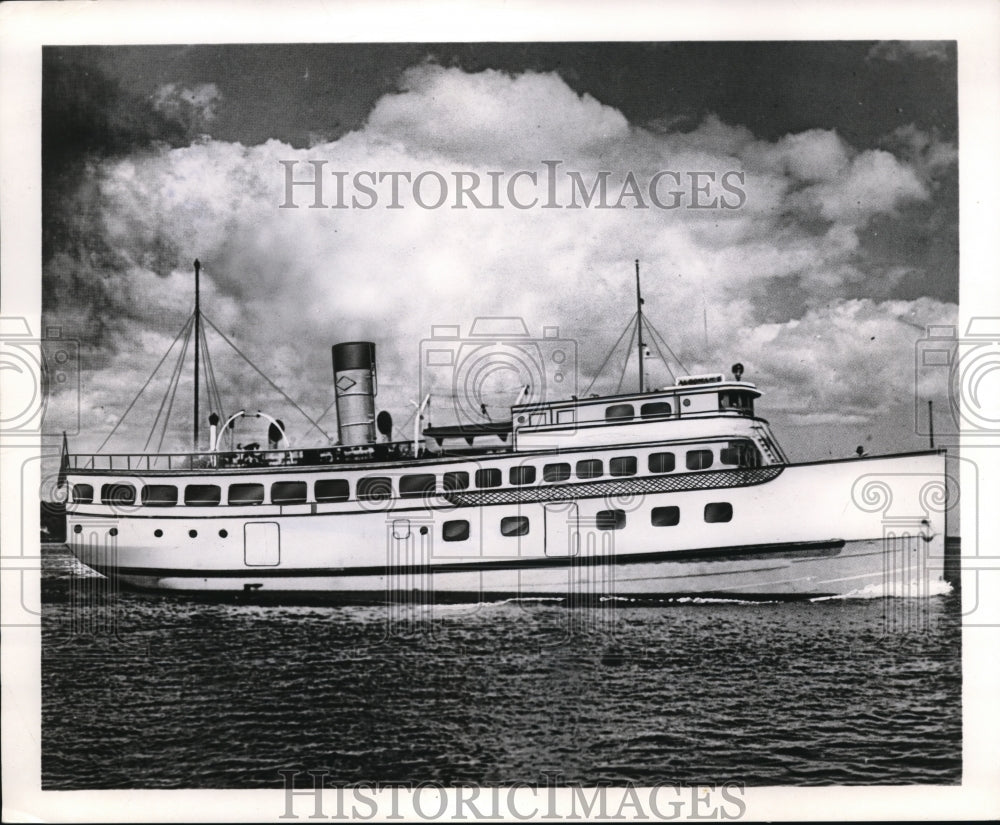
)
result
[(239, 459), (249, 459)]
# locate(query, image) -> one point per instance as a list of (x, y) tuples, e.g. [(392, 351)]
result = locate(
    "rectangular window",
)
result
[(417, 486), (117, 494), (455, 530), (514, 526), (83, 493), (488, 477), (623, 465), (566, 416), (246, 493), (589, 468), (741, 454), (610, 519), (456, 480), (556, 472), (698, 459), (655, 409), (665, 516), (288, 492), (730, 455), (374, 488), (202, 495), (619, 412), (740, 402), (662, 462), (332, 489), (538, 419), (522, 475), (718, 511), (159, 495)]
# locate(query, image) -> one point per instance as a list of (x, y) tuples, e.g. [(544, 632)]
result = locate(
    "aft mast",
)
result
[(638, 301), (197, 337)]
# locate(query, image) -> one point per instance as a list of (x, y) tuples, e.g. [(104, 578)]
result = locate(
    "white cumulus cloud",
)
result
[(287, 283)]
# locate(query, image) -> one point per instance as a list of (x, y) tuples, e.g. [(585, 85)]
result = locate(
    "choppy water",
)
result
[(169, 692)]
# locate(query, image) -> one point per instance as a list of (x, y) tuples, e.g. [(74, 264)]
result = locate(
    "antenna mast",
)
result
[(197, 338), (638, 301)]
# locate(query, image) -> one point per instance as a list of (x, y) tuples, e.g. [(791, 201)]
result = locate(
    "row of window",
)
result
[(733, 400), (715, 512), (209, 495), (413, 485), (626, 412)]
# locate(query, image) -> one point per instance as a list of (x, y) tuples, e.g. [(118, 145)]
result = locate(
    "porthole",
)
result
[(455, 481), (419, 485), (202, 495), (661, 462), (113, 531), (665, 516), (83, 493), (117, 494), (288, 492), (332, 489), (78, 528), (698, 459), (619, 412), (488, 477), (457, 530), (374, 488), (158, 533), (556, 472), (718, 511), (611, 519), (522, 475), (193, 533), (223, 533), (624, 465), (514, 526)]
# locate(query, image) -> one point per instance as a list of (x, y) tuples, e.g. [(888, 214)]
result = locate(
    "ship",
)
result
[(662, 493)]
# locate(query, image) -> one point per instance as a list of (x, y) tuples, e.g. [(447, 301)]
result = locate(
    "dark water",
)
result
[(168, 692)]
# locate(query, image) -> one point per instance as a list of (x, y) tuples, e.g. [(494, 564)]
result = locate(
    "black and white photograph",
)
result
[(543, 415)]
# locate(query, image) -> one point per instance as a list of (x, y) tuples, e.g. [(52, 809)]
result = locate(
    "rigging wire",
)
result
[(262, 375), (656, 332), (610, 353), (171, 388), (663, 358), (631, 341), (323, 415), (170, 406), (142, 389), (401, 428), (215, 397)]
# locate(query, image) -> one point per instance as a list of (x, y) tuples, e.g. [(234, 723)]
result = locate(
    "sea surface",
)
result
[(151, 691)]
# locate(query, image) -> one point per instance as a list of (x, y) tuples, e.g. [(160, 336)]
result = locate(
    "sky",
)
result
[(819, 268)]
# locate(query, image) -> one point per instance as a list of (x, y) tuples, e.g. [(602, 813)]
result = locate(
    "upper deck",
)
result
[(705, 407), (696, 407)]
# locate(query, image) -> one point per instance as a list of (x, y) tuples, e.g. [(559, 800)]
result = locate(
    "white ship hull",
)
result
[(870, 526)]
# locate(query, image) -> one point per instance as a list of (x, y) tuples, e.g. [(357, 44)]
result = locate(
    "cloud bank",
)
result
[(782, 284)]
